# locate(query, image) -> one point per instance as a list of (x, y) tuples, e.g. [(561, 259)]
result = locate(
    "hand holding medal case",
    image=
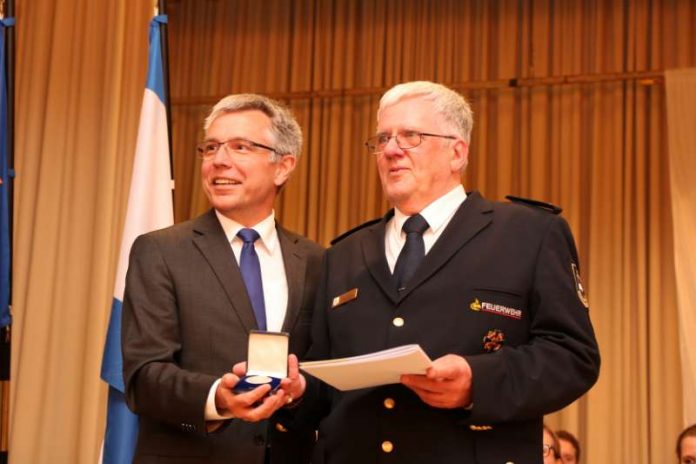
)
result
[(267, 361)]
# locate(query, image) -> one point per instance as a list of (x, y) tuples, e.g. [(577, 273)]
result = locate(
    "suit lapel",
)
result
[(295, 264), (210, 239), (472, 216), (375, 258)]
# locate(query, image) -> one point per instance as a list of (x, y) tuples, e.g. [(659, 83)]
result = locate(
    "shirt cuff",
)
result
[(211, 412)]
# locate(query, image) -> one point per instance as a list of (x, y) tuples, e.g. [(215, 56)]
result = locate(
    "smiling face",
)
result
[(414, 178), (244, 187)]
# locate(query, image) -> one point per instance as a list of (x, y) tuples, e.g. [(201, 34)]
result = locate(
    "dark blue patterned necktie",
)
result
[(251, 273), (413, 251)]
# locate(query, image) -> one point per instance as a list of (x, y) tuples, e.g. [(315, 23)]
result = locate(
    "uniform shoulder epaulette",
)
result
[(354, 229), (549, 207)]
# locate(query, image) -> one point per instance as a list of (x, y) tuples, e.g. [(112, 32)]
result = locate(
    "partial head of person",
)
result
[(686, 445), (421, 143), (570, 447), (550, 447), (251, 147)]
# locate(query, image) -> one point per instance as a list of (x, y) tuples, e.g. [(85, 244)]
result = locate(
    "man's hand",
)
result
[(257, 404), (294, 385), (446, 384), (252, 406)]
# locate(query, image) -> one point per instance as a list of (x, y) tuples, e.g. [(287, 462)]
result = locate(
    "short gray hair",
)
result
[(284, 127), (451, 105)]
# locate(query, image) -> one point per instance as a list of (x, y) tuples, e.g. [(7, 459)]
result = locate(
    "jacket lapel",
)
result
[(295, 264), (472, 216), (376, 260), (210, 239)]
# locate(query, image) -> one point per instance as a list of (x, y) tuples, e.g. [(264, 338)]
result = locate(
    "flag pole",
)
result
[(161, 8), (7, 11)]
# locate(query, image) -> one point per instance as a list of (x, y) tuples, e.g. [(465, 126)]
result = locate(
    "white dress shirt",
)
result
[(275, 282), (438, 214)]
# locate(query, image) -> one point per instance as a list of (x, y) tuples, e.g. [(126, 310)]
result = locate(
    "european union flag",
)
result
[(5, 248)]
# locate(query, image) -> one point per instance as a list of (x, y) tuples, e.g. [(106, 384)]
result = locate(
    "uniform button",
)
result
[(389, 403), (280, 427), (387, 446), (398, 322)]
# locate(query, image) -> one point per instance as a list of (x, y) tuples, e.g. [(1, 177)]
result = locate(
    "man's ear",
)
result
[(460, 156), (284, 168)]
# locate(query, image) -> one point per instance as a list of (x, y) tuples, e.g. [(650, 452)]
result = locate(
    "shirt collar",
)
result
[(436, 213), (266, 229)]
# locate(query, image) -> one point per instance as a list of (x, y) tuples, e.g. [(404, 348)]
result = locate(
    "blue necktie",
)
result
[(251, 273), (413, 251)]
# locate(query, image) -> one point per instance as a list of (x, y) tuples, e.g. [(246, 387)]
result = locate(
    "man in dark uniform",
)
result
[(195, 290), (491, 291)]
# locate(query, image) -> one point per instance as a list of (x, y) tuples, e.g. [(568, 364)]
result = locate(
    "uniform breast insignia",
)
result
[(493, 341), (493, 308), (475, 305), (579, 288), (344, 298)]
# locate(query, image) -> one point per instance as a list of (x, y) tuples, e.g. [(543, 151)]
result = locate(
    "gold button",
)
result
[(398, 322), (389, 403), (280, 427), (387, 446)]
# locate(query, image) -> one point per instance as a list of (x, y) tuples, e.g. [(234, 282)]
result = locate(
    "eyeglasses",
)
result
[(404, 139), (239, 146), (548, 449)]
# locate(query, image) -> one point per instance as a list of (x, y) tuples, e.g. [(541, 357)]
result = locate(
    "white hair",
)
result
[(448, 103)]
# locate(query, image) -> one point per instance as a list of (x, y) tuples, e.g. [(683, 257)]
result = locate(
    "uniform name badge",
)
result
[(344, 298), (267, 360)]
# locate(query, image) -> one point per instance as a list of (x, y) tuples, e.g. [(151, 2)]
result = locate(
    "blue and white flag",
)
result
[(150, 207), (5, 271)]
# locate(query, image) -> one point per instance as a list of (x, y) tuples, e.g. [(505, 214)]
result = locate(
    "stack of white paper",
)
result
[(370, 370)]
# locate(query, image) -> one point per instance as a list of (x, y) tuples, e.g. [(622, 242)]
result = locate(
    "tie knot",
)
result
[(415, 223), (248, 235)]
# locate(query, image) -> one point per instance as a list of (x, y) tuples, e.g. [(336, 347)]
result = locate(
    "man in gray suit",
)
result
[(188, 308)]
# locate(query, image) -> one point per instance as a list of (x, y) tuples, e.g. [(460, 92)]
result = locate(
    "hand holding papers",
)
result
[(370, 370)]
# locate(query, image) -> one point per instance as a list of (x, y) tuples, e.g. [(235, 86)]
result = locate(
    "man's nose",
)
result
[(222, 157), (392, 148)]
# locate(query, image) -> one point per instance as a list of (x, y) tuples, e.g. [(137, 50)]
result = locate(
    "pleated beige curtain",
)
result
[(599, 149), (80, 79), (681, 115)]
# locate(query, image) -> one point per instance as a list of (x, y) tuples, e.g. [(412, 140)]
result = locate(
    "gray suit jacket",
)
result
[(186, 317)]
